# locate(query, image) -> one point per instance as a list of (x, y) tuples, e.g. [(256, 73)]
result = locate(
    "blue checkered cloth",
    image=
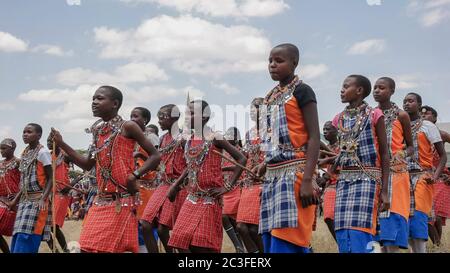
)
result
[(28, 209), (355, 203), (356, 195), (278, 206)]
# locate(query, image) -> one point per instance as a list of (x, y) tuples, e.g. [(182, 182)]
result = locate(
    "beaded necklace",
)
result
[(279, 94), (390, 116), (348, 138), (28, 159), (114, 128), (195, 156), (5, 167), (100, 127)]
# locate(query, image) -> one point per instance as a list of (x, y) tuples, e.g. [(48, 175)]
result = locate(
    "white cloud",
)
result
[(73, 2), (52, 50), (192, 45), (431, 12), (226, 88), (10, 43), (130, 73), (371, 46), (312, 71), (407, 82), (72, 110), (223, 8)]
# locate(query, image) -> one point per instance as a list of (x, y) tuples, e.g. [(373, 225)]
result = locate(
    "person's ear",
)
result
[(359, 91), (116, 104)]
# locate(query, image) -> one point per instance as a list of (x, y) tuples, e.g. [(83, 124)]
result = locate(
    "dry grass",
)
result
[(322, 241)]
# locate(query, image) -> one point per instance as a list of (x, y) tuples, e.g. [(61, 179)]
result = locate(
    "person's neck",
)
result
[(355, 104), (287, 80), (333, 141), (385, 105), (33, 145), (414, 116), (109, 116)]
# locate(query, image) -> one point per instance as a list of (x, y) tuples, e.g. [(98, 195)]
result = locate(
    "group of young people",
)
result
[(383, 175)]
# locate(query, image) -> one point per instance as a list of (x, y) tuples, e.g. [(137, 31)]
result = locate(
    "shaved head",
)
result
[(292, 50)]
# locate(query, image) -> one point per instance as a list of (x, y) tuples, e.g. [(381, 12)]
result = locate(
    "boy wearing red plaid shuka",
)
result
[(111, 225), (199, 224)]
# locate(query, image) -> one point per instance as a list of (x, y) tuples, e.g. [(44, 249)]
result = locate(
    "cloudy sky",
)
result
[(55, 53)]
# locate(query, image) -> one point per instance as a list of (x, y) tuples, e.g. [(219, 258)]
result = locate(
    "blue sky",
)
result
[(55, 53)]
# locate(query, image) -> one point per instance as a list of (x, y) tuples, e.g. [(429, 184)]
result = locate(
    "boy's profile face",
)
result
[(281, 64), (195, 116), (382, 91), (410, 104), (6, 150), (137, 117), (30, 135), (49, 143), (350, 90), (329, 131), (102, 103), (164, 119), (428, 115)]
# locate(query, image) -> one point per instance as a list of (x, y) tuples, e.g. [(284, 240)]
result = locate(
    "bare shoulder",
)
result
[(130, 129)]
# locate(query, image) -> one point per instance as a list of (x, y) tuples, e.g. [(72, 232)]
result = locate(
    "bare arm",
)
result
[(445, 137), (176, 186), (236, 155), (84, 162), (442, 159), (385, 162), (132, 130), (229, 169)]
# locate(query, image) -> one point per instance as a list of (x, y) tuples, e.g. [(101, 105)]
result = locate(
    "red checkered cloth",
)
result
[(62, 203), (210, 174), (329, 200), (9, 183), (7, 219), (231, 202), (442, 199), (198, 225), (61, 174), (122, 158), (250, 204), (107, 231), (175, 163), (201, 224), (159, 208)]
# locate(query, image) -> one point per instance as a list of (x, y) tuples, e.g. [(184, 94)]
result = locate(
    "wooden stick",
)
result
[(54, 196), (70, 187), (237, 164), (328, 153)]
